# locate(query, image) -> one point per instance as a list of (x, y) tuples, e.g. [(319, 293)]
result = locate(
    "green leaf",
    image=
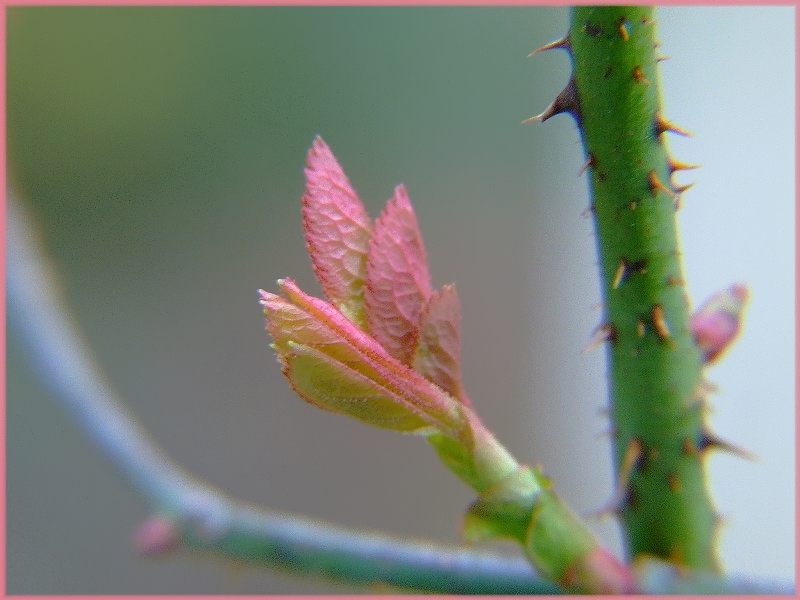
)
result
[(331, 385)]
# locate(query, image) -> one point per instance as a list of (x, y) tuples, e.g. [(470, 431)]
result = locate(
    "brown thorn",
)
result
[(640, 328), (710, 441), (674, 483), (623, 29), (639, 77), (704, 388), (565, 102), (654, 183), (674, 280), (622, 268), (604, 333), (661, 125), (562, 43), (688, 447), (676, 165), (589, 162), (660, 324), (633, 456), (662, 58)]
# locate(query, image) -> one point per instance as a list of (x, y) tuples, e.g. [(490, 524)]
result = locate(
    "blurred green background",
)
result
[(160, 151)]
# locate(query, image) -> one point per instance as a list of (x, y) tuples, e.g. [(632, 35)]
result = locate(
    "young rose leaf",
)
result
[(437, 355), (337, 230), (328, 384), (333, 364), (398, 283)]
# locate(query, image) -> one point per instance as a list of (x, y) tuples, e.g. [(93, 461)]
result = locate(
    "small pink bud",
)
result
[(717, 322), (157, 534), (599, 572)]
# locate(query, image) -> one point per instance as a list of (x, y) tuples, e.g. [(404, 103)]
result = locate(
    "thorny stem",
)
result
[(656, 386)]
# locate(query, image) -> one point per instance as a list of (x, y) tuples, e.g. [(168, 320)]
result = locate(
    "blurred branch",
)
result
[(204, 518), (201, 518)]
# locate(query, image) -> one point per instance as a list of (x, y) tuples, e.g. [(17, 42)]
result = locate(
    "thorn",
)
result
[(679, 189), (705, 388), (661, 125), (639, 77), (604, 333), (662, 58), (633, 456), (654, 183), (589, 162), (640, 328), (657, 314), (674, 483), (710, 441), (676, 165), (620, 274), (565, 102), (673, 280), (624, 29), (562, 43)]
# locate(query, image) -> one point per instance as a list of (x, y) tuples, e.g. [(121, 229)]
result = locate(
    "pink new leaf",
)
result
[(337, 230), (437, 356), (398, 283)]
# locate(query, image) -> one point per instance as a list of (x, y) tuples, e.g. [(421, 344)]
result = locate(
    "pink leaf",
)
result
[(337, 230), (437, 356), (717, 323), (398, 283)]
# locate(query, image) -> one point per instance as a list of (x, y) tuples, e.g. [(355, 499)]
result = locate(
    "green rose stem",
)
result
[(656, 386)]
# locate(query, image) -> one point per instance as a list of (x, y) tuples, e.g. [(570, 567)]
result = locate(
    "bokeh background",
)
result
[(160, 152)]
